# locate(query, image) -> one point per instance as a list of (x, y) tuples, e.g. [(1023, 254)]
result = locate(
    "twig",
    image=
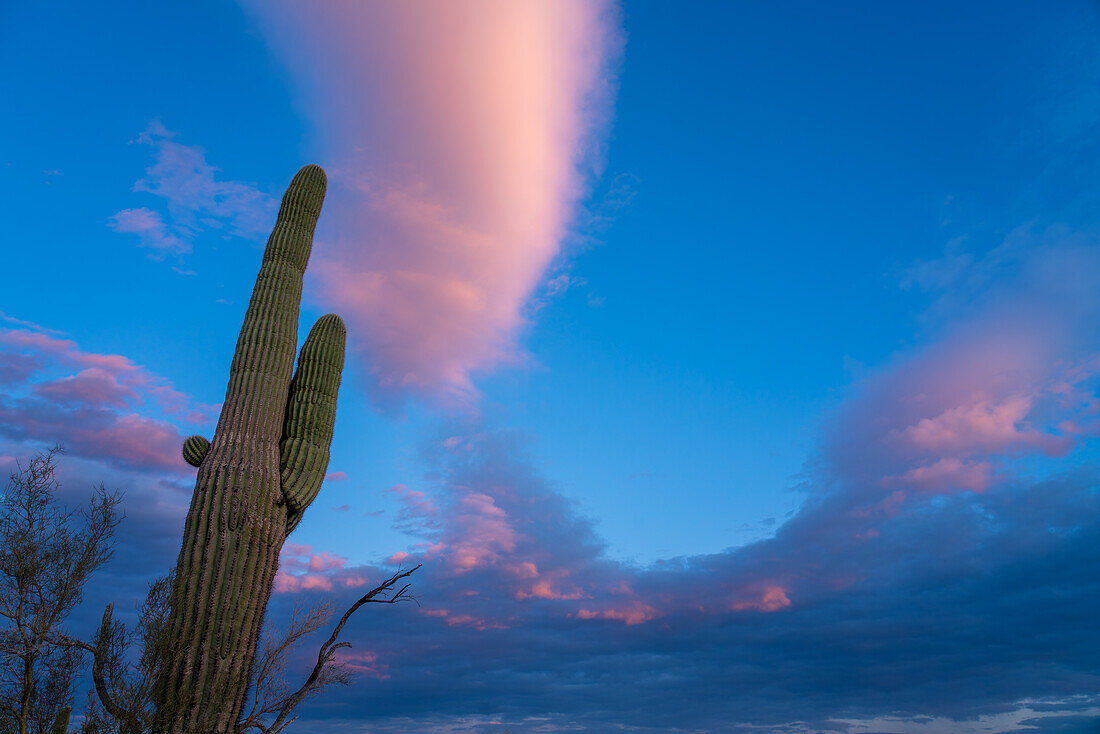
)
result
[(328, 650), (97, 670)]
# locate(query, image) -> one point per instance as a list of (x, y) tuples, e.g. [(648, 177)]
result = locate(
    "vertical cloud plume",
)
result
[(459, 136)]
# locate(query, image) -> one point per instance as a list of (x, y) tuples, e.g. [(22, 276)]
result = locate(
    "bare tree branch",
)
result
[(323, 673), (104, 652), (269, 685), (47, 555), (123, 702)]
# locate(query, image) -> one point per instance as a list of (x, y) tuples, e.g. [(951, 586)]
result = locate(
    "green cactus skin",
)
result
[(263, 468), (310, 415), (194, 450)]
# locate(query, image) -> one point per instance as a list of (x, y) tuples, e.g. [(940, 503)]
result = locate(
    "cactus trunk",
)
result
[(242, 509)]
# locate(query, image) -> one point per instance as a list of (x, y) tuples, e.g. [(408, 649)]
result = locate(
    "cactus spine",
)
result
[(263, 468)]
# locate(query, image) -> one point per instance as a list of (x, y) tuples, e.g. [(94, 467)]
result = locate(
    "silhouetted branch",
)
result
[(101, 652), (322, 675)]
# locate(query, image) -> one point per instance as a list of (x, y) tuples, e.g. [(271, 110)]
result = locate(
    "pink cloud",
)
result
[(299, 557), (354, 579), (535, 585), (28, 324), (887, 507), (546, 589), (956, 414), (772, 599), (135, 439), (287, 583), (40, 343), (173, 402), (336, 476), (93, 386), (495, 538), (418, 512), (477, 531), (296, 549), (151, 231), (485, 533), (464, 620), (460, 136), (16, 368), (102, 369), (946, 475), (364, 662), (632, 613), (301, 568), (127, 439), (983, 424), (526, 570), (104, 410), (326, 561)]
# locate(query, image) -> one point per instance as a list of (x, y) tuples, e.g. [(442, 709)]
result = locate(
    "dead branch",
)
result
[(47, 555), (269, 686), (102, 652), (322, 675)]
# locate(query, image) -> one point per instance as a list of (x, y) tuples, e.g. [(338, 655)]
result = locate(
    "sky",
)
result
[(729, 367)]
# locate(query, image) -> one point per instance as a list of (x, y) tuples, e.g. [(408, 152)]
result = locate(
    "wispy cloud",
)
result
[(151, 231), (28, 325), (939, 502), (523, 615), (195, 197)]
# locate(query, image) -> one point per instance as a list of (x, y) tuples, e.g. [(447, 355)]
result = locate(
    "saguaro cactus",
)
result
[(263, 468)]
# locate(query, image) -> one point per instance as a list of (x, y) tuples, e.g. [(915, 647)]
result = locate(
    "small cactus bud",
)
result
[(194, 449)]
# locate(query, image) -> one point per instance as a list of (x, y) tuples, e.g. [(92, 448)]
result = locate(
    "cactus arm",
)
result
[(311, 413), (194, 450)]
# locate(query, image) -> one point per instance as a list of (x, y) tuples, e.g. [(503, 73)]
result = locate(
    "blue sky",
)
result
[(771, 299)]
